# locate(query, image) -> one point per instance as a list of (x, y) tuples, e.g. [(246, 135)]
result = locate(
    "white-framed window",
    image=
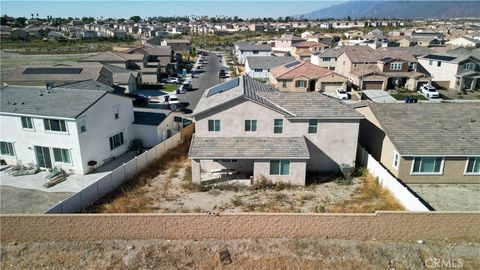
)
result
[(214, 125), (312, 126), (439, 64), (284, 84), (258, 70), (225, 160), (55, 125), (116, 112), (301, 84), (116, 140), (427, 165), (82, 124), (251, 125), (278, 126), (6, 149), (326, 59), (255, 52), (466, 66), (62, 155), (396, 66), (27, 122), (279, 167), (396, 160), (473, 166)]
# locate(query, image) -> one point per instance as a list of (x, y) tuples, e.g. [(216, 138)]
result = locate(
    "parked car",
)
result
[(173, 99), (429, 91), (342, 94), (138, 99), (222, 74), (173, 80)]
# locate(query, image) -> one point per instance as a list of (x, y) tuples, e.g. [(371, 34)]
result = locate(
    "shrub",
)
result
[(236, 201), (344, 181), (320, 209)]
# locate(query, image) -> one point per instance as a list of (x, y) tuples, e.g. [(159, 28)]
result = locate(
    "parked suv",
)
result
[(342, 94), (429, 91)]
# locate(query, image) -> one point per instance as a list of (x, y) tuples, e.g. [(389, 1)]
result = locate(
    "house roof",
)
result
[(148, 118), (252, 46), (54, 73), (268, 61), (113, 56), (447, 57), (331, 52), (249, 147), (177, 41), (292, 105), (288, 37), (368, 55), (299, 68), (307, 44), (431, 128), (56, 102), (87, 85)]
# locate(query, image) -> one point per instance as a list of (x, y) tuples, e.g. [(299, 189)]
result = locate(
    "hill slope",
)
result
[(399, 9)]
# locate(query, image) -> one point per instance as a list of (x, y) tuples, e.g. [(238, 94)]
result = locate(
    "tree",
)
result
[(20, 22), (135, 19)]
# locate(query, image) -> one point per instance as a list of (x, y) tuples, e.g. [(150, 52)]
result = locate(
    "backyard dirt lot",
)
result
[(241, 254), (166, 187)]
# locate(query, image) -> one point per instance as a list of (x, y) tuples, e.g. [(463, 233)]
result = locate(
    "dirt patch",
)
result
[(244, 254), (450, 197)]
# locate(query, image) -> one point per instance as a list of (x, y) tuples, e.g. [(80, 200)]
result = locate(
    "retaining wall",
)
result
[(380, 225)]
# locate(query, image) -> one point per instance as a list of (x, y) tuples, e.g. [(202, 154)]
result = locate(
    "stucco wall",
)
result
[(296, 176), (381, 225)]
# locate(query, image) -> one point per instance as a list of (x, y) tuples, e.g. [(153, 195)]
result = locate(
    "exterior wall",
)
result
[(242, 165), (330, 78), (344, 65), (296, 177), (264, 74), (242, 56), (101, 124), (24, 141), (386, 67), (453, 173), (105, 77), (444, 73), (319, 61)]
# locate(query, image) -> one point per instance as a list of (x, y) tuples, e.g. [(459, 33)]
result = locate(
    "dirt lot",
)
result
[(31, 202), (166, 187), (244, 254)]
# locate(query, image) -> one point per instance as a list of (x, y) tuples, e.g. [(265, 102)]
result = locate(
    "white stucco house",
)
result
[(464, 42), (66, 128), (246, 129), (244, 49)]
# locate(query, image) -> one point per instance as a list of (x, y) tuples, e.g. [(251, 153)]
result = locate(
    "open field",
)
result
[(244, 254), (166, 187)]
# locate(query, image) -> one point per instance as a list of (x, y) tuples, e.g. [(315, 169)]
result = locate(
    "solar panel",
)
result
[(223, 87), (294, 63), (440, 57), (52, 71)]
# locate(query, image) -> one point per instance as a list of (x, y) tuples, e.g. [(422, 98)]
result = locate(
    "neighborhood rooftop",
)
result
[(431, 129), (56, 102), (57, 73), (267, 62)]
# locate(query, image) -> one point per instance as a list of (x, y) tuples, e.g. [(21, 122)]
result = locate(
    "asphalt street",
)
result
[(205, 77)]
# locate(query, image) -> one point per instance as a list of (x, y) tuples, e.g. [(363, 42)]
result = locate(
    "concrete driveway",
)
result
[(28, 201)]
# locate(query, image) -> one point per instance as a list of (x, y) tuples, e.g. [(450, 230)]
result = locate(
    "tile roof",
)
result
[(249, 147), (112, 56), (306, 69), (431, 128), (251, 46), (267, 62), (307, 44), (87, 85), (57, 102), (332, 52), (53, 73)]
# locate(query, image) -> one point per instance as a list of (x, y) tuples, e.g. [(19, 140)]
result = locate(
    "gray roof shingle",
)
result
[(267, 62), (249, 147), (57, 102), (431, 129)]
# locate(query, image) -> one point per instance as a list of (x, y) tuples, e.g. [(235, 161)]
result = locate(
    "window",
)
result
[(251, 125), (62, 155), (255, 52), (396, 66), (466, 66), (396, 160), (473, 165), (116, 111), (301, 84), (213, 125), (284, 84), (82, 122), (278, 126), (430, 62), (312, 125), (279, 167), (355, 65), (331, 68), (224, 160), (439, 64), (55, 125), (116, 140), (427, 165), (27, 122), (6, 149), (258, 70), (326, 59)]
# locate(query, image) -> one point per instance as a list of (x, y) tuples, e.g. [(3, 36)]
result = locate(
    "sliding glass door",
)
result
[(43, 157)]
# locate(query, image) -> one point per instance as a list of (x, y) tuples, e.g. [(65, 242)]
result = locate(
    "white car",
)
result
[(342, 94), (429, 91), (173, 99)]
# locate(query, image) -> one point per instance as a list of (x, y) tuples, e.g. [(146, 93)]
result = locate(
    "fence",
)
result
[(115, 178), (388, 181)]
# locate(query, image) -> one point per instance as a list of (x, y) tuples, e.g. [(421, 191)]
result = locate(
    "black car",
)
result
[(222, 73)]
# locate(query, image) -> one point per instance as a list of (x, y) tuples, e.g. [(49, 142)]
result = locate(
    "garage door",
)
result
[(330, 86), (372, 85)]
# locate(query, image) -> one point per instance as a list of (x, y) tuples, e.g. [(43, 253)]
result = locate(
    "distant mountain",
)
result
[(399, 9)]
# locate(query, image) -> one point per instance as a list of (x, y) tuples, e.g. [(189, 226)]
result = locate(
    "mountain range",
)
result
[(399, 10)]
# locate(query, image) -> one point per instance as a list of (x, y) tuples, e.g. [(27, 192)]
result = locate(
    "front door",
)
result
[(43, 157)]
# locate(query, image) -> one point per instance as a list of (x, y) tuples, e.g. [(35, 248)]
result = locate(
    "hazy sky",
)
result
[(97, 8)]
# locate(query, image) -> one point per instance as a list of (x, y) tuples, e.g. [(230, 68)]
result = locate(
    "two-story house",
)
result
[(424, 142), (327, 58), (75, 129), (381, 69), (258, 67), (244, 49), (178, 45), (250, 129), (300, 76), (459, 72), (303, 50), (283, 44)]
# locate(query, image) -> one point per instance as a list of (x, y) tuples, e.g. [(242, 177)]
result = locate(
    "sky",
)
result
[(125, 9)]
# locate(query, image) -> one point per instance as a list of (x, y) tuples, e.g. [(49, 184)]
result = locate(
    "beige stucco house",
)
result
[(299, 76), (246, 129), (424, 142)]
